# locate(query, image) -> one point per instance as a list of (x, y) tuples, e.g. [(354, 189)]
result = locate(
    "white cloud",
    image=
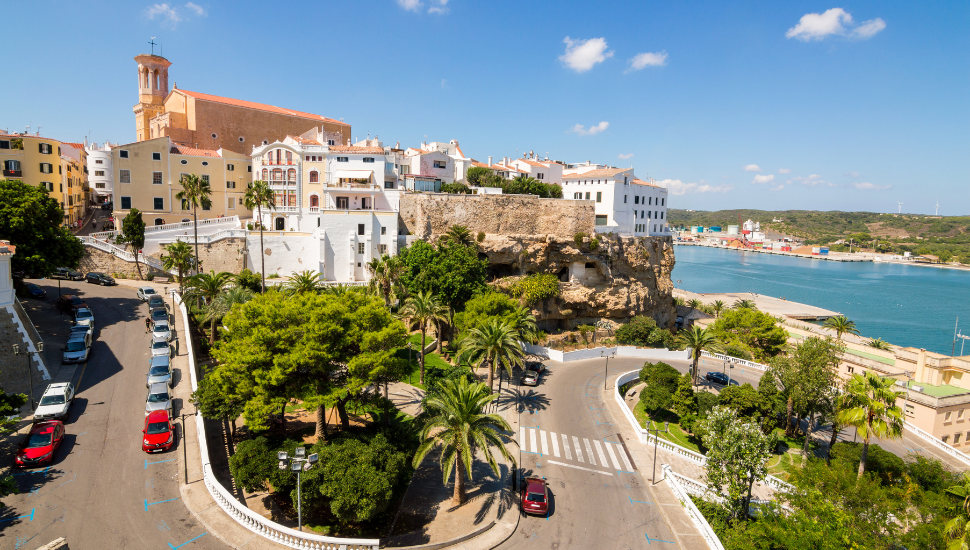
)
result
[(581, 55), (778, 188), (593, 130), (752, 168), (647, 59), (866, 186), (410, 5), (811, 181), (763, 179), (625, 156), (439, 6), (677, 187), (784, 170), (199, 10), (836, 21)]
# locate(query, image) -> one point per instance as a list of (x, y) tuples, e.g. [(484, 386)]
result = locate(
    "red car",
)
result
[(535, 496), (158, 434), (41, 443)]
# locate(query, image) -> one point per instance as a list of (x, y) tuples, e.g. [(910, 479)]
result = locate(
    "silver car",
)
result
[(159, 370), (146, 292), (77, 348), (162, 330), (159, 399), (83, 329), (160, 346), (84, 316)]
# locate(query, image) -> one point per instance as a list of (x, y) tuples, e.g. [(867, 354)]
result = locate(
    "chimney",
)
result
[(397, 145), (490, 160), (348, 142)]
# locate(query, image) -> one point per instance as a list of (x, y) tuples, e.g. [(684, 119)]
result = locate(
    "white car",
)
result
[(55, 403), (146, 292), (84, 316), (162, 331), (77, 349), (160, 346), (83, 329), (159, 399)]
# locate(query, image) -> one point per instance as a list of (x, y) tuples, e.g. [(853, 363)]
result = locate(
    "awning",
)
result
[(355, 174)]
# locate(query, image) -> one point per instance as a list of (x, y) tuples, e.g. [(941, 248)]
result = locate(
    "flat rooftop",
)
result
[(944, 390), (767, 304)]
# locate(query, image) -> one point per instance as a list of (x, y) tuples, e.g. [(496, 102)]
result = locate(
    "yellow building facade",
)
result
[(49, 163)]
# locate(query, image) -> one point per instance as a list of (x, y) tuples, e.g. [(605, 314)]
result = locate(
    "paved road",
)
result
[(567, 437), (102, 491)]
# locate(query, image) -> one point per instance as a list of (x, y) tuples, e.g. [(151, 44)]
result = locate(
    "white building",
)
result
[(545, 170), (100, 174), (623, 203), (334, 195)]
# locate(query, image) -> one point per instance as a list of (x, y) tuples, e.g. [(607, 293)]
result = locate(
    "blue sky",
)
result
[(780, 105)]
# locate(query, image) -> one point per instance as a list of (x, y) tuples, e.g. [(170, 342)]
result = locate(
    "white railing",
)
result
[(612, 351), (121, 253), (735, 360), (172, 226), (206, 239), (778, 484), (695, 515), (959, 455)]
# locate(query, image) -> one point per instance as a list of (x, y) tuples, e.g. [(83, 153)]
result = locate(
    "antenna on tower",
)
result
[(900, 208), (152, 42)]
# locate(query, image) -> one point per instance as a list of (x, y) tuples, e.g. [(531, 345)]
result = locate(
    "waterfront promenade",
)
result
[(768, 304)]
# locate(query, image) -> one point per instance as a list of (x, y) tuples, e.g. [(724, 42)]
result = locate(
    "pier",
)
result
[(767, 304)]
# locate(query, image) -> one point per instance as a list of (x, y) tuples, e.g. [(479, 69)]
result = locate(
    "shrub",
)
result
[(455, 188), (273, 276), (535, 288), (481, 236), (249, 279), (249, 226), (886, 465), (734, 350), (578, 239), (594, 244), (150, 277), (643, 331), (706, 401)]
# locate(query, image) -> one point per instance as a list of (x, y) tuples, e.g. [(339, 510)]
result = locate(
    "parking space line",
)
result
[(147, 463), (173, 547), (580, 468), (555, 444), (30, 516), (147, 504)]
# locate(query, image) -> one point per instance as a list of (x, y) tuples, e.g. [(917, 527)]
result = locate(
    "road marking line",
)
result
[(522, 438), (656, 540), (565, 446), (186, 542), (555, 444), (609, 450), (147, 463), (589, 452), (44, 471), (147, 504), (545, 445), (532, 440), (602, 455), (638, 501), (579, 450), (580, 468)]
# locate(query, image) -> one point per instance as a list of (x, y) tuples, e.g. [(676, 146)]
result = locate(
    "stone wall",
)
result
[(222, 255), (101, 261), (428, 215)]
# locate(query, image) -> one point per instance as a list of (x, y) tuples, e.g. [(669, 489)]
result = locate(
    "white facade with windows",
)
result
[(100, 174), (545, 170), (623, 203)]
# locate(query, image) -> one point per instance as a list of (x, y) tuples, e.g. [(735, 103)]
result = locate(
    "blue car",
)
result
[(35, 291)]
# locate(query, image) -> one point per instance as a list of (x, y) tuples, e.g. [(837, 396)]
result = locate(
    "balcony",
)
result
[(13, 173)]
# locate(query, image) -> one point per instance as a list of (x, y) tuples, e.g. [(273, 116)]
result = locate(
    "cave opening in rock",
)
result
[(498, 271), (563, 275)]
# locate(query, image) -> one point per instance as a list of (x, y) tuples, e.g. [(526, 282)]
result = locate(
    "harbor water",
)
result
[(906, 305)]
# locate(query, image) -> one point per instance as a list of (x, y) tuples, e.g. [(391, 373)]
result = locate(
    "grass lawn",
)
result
[(431, 361), (781, 464), (676, 434)]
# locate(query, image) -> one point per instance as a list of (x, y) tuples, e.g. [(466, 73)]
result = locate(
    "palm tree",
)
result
[(424, 308), (459, 234), (305, 282), (523, 322), (385, 272), (195, 191), (257, 196), (879, 343), (718, 306), (957, 530), (697, 339), (222, 304), (841, 325), (744, 304), (694, 303), (208, 286), (179, 258), (872, 410), (494, 343), (460, 428)]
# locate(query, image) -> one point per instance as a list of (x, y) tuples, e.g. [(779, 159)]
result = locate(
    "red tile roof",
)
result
[(601, 173), (356, 149), (257, 106), (641, 182), (458, 148), (193, 152), (304, 141), (74, 145), (7, 248)]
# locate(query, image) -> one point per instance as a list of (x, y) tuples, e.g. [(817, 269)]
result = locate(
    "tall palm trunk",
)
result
[(212, 331), (459, 496), (195, 230), (835, 437), (321, 430), (421, 353), (262, 253), (789, 412), (342, 412), (808, 438), (865, 455), (696, 359)]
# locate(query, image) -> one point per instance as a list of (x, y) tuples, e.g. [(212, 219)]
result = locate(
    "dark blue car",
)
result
[(35, 291)]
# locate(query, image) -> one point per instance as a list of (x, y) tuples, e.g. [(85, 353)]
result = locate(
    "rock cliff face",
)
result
[(621, 278)]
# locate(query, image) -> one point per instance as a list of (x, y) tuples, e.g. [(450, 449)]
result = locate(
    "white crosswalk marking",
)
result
[(579, 451), (545, 446), (609, 451), (555, 444), (522, 439), (599, 451), (565, 446), (532, 440), (589, 452), (622, 452)]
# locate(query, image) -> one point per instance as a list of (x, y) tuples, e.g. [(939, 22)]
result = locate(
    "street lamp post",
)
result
[(606, 367), (656, 441), (30, 377), (185, 452), (298, 463)]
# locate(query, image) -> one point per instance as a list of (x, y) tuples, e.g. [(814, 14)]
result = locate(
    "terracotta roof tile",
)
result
[(641, 182), (304, 141), (257, 106), (356, 149), (601, 173), (74, 145), (193, 152)]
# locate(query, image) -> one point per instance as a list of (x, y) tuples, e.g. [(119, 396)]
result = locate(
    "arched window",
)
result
[(265, 174), (277, 175), (158, 80), (277, 156), (314, 201), (269, 158), (159, 221), (291, 174), (314, 176)]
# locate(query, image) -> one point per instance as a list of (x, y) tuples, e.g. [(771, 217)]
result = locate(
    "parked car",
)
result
[(55, 403), (77, 349), (535, 366), (530, 378), (83, 329), (159, 314), (156, 300), (162, 330), (159, 370), (84, 316), (108, 205), (70, 303), (159, 398), (67, 273), (719, 378), (535, 496), (146, 292), (41, 443), (35, 291), (99, 279), (159, 433), (160, 347)]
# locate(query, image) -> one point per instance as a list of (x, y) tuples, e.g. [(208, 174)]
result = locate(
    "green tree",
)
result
[(697, 339), (718, 306), (684, 401), (756, 330), (879, 343), (481, 177), (222, 304), (841, 325), (247, 279), (459, 234), (460, 429), (34, 223), (450, 271), (304, 281), (495, 344), (206, 287), (10, 405), (179, 258), (523, 322), (196, 192), (872, 410), (643, 332), (258, 195), (661, 382), (694, 303), (744, 304), (524, 185), (744, 399), (456, 188), (215, 401), (253, 464), (737, 456), (133, 234), (385, 273), (482, 307), (957, 529), (424, 309)]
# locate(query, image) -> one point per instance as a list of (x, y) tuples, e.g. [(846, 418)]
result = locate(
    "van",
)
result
[(77, 348)]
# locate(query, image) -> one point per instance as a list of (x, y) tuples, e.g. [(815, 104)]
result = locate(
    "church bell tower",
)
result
[(152, 90)]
